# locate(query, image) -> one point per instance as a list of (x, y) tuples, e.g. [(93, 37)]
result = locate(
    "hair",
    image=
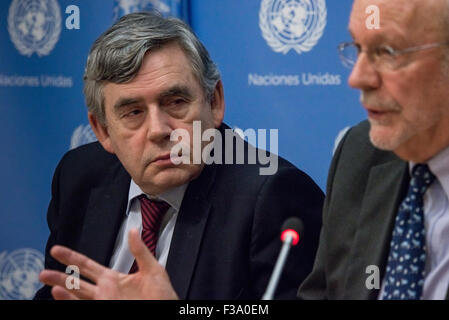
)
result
[(117, 55), (447, 16), (445, 25)]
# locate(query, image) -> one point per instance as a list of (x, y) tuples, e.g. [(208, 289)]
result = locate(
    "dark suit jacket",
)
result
[(226, 238), (364, 190)]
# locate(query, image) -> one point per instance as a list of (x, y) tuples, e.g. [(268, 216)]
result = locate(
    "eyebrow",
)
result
[(124, 102), (176, 90), (384, 38)]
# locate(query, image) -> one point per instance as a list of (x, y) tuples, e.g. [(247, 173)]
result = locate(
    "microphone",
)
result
[(291, 231)]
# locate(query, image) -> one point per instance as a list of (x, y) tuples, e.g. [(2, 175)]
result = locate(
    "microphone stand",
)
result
[(274, 280)]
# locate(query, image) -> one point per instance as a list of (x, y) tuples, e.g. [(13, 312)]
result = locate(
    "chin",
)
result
[(384, 138), (170, 178)]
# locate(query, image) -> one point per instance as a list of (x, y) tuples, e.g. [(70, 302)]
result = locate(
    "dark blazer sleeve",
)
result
[(314, 286), (82, 174), (52, 218), (290, 192)]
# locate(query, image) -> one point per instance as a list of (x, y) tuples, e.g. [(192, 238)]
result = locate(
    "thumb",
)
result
[(144, 258)]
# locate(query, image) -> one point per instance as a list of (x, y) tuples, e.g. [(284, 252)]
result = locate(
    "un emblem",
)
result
[(292, 24), (82, 135), (19, 274), (123, 7), (34, 26)]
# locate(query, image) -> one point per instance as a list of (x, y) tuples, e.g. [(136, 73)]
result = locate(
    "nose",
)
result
[(364, 76), (158, 124)]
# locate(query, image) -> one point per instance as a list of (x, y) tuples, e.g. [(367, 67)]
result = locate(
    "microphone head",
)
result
[(293, 227)]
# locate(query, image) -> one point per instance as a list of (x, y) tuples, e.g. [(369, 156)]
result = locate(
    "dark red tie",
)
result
[(152, 214)]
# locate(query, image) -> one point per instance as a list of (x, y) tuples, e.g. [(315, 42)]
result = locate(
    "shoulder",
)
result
[(357, 151), (251, 168), (253, 178), (83, 155), (352, 163), (89, 163)]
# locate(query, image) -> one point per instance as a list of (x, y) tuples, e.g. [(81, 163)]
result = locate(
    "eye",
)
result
[(132, 113), (175, 102), (385, 52)]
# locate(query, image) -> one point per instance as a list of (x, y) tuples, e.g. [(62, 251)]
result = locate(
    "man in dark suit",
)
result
[(214, 227), (385, 222)]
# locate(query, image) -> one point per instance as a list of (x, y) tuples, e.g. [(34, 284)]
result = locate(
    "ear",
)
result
[(218, 105), (101, 132)]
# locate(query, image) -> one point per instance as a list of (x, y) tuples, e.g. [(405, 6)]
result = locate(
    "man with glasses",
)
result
[(385, 232)]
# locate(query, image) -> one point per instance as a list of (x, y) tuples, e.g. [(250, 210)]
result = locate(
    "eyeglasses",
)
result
[(384, 58)]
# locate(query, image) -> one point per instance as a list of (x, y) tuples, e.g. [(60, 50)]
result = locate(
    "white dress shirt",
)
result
[(436, 220), (122, 259)]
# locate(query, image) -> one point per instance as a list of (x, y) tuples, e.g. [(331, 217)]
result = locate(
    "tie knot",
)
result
[(152, 212), (422, 177)]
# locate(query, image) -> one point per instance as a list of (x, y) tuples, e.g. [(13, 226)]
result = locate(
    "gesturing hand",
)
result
[(150, 282)]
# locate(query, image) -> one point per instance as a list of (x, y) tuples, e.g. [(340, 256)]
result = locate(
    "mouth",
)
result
[(162, 160), (378, 114), (165, 160)]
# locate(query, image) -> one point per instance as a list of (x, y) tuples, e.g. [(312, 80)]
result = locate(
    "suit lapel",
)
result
[(387, 182), (104, 215), (188, 233)]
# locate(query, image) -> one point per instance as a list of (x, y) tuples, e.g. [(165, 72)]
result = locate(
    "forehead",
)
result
[(161, 70), (413, 20), (170, 60)]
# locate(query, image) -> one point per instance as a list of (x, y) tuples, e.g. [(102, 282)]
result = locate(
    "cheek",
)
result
[(410, 93), (423, 101), (129, 149), (398, 87), (195, 127), (203, 112), (424, 86)]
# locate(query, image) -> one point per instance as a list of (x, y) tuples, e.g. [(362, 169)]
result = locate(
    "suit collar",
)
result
[(104, 214), (173, 196), (190, 227), (189, 230), (438, 166), (387, 181)]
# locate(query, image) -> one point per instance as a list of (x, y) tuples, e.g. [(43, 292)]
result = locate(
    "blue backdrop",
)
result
[(280, 70)]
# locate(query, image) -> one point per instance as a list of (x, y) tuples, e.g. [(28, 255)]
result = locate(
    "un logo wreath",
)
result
[(277, 45)]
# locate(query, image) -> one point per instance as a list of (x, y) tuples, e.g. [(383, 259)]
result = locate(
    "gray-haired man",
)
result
[(212, 228), (386, 216)]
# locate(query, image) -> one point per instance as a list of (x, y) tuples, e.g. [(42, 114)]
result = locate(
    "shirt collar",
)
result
[(173, 196), (440, 168)]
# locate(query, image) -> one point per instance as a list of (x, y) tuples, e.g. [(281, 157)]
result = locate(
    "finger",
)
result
[(59, 279), (145, 260), (60, 293), (88, 268)]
